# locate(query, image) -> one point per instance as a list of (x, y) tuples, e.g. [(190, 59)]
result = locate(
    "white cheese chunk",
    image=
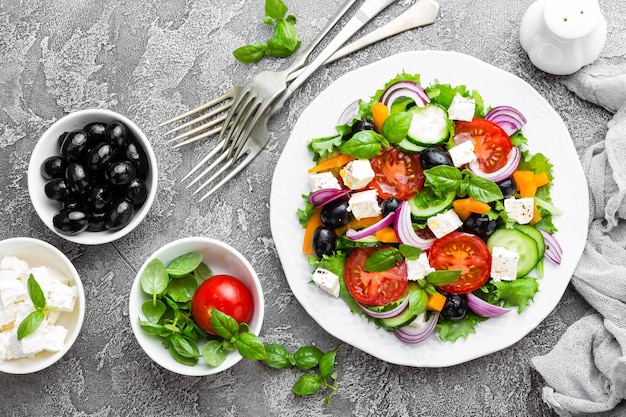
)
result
[(418, 268), (29, 345), (13, 263), (520, 209), (503, 264), (54, 338), (357, 174), (11, 291), (61, 297), (5, 346), (462, 108), (327, 281), (419, 321), (323, 180), (444, 223), (463, 153), (7, 315), (364, 204), (23, 309), (9, 274)]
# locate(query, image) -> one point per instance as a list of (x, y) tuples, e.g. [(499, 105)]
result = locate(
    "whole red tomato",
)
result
[(224, 293)]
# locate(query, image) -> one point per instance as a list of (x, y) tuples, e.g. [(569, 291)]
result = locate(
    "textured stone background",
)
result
[(150, 60)]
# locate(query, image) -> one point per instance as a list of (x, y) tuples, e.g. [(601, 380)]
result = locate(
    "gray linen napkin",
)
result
[(585, 372)]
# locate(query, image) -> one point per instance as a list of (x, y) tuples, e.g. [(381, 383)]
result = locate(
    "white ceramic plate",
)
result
[(546, 133)]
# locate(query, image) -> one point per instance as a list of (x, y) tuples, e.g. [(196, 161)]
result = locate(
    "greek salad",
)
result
[(427, 212)]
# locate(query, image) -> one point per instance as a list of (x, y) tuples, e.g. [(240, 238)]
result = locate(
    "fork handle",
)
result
[(366, 12)]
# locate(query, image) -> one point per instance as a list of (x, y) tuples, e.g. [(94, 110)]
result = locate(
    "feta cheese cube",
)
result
[(23, 309), (418, 268), (322, 180), (61, 297), (419, 321), (11, 291), (9, 274), (43, 277), (444, 223), (8, 315), (520, 209), (503, 264), (14, 263), (29, 345), (462, 108), (327, 281), (5, 347), (357, 174), (54, 338), (463, 153), (364, 204)]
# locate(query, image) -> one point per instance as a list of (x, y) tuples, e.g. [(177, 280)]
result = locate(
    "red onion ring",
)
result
[(554, 252), (360, 234), (483, 308), (326, 195), (462, 137), (512, 162), (413, 335), (404, 228), (385, 314), (349, 113), (507, 117), (407, 89)]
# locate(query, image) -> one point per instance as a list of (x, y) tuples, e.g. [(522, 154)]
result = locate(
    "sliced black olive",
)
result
[(116, 134), (78, 179), (70, 221), (507, 186), (120, 173), (389, 205), (335, 214), (455, 307), (324, 241), (57, 189), (137, 191), (100, 157), (53, 167), (74, 144), (432, 157), (120, 214)]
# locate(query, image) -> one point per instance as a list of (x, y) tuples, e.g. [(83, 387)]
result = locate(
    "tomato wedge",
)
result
[(374, 288), (491, 144), (397, 174), (465, 252)]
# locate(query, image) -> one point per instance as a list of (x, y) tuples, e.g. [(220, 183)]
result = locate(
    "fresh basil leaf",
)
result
[(483, 190), (251, 347), (396, 126), (308, 357), (277, 49), (213, 353), (184, 264), (185, 360), (30, 324), (382, 260), (307, 385), (275, 9), (224, 325), (365, 144), (440, 278), (288, 35), (154, 278), (291, 19), (153, 310), (184, 346), (181, 289), (202, 272), (443, 178), (251, 53), (35, 293), (418, 299), (327, 363), (277, 356), (409, 252), (153, 328)]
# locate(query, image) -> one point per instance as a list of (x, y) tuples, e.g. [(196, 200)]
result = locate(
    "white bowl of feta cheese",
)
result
[(59, 314)]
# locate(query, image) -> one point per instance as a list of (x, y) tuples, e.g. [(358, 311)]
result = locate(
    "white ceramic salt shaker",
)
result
[(562, 36)]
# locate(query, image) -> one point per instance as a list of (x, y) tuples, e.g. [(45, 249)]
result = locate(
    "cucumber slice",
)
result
[(517, 241), (429, 125), (408, 146), (398, 321), (535, 234), (426, 203)]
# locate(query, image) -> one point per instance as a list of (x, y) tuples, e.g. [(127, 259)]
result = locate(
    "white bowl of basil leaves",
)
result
[(159, 305)]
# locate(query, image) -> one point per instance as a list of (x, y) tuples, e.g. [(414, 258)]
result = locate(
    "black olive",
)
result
[(137, 191), (324, 241), (99, 157), (78, 179), (358, 126), (335, 214), (95, 132), (120, 173), (432, 157), (389, 205), (99, 197), (116, 134), (60, 139), (57, 189), (479, 225), (455, 307), (507, 186), (70, 221), (53, 167), (74, 144), (120, 214), (135, 153), (97, 222)]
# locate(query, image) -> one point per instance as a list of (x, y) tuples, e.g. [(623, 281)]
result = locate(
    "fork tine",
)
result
[(215, 175), (242, 164), (203, 161), (232, 93), (209, 169), (197, 138), (198, 129), (197, 120), (236, 129)]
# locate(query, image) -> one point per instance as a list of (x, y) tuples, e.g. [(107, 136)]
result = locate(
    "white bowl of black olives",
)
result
[(92, 176)]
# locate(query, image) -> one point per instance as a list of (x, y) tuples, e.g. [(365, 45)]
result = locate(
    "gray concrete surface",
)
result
[(152, 59)]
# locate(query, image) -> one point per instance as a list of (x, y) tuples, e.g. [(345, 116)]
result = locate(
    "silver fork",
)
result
[(422, 13), (256, 104)]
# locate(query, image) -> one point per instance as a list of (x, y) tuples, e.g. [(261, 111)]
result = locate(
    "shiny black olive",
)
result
[(324, 241), (99, 157), (135, 153), (120, 173), (97, 222), (78, 179), (479, 225), (455, 307), (432, 157), (60, 139), (389, 205), (99, 197), (57, 189), (53, 167), (116, 134), (74, 144), (508, 187), (95, 132), (120, 214), (137, 191), (70, 221), (335, 214), (74, 203), (359, 125)]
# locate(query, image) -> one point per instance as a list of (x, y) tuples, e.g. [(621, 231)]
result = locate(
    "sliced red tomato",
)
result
[(374, 288), (465, 252), (491, 144), (397, 174)]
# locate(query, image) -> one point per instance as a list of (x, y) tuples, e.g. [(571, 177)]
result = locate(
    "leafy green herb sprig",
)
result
[(33, 320), (284, 42)]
